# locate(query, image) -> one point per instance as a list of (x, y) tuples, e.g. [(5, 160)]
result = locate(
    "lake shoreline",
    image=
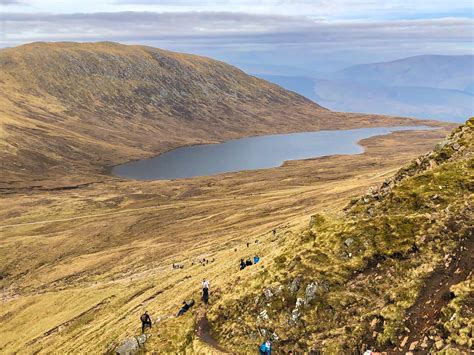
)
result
[(112, 170)]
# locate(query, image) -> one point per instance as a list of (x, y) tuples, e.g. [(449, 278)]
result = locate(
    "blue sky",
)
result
[(299, 35)]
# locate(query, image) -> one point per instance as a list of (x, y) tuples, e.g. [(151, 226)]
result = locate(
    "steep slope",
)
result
[(378, 277), (74, 109)]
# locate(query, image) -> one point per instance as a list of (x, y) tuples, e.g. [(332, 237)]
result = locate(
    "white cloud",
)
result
[(288, 32)]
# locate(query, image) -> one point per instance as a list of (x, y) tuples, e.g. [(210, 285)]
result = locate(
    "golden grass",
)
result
[(122, 261)]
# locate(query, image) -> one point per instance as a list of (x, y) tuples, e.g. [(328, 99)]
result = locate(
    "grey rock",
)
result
[(348, 242), (294, 285), (141, 339), (299, 302), (268, 293), (310, 291), (295, 316), (130, 346), (456, 146)]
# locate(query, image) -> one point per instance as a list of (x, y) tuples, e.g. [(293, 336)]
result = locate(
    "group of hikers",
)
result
[(205, 286), (145, 318), (248, 262)]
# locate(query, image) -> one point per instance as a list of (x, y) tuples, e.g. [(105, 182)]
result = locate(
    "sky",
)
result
[(282, 36)]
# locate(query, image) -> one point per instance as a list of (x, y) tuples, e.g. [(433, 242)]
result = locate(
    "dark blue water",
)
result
[(250, 153)]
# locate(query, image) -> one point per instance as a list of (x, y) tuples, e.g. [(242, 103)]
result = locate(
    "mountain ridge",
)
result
[(88, 106)]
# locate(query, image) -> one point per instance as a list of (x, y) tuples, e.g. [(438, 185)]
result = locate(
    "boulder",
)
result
[(141, 339), (310, 292), (295, 316), (294, 285), (128, 347), (348, 242), (268, 293), (299, 302)]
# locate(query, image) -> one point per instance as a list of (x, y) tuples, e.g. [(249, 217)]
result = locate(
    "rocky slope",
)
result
[(71, 109), (393, 273)]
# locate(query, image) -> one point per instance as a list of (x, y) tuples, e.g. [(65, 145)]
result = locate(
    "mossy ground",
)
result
[(369, 266)]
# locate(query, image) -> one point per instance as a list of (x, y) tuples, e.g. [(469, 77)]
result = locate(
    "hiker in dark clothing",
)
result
[(248, 262), (242, 264), (205, 291), (146, 321), (186, 305)]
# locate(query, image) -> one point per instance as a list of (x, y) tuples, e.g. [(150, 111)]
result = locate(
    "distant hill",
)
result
[(302, 85), (433, 71), (430, 86), (410, 101)]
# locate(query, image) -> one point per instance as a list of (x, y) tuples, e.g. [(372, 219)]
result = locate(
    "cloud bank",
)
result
[(321, 34)]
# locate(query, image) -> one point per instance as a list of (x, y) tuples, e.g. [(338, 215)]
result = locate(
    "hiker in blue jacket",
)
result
[(266, 348)]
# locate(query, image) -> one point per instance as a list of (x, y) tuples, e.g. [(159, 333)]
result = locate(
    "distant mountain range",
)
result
[(429, 86)]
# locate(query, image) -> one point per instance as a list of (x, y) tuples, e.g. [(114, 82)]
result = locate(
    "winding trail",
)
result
[(203, 332), (425, 313)]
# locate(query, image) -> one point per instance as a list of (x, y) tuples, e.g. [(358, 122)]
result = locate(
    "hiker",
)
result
[(248, 244), (146, 321), (274, 232), (266, 348), (248, 262), (256, 259), (186, 305), (242, 264), (205, 291)]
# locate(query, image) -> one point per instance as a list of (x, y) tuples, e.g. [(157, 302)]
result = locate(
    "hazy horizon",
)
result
[(310, 36)]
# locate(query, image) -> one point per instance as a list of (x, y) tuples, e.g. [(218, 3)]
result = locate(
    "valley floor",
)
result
[(78, 266)]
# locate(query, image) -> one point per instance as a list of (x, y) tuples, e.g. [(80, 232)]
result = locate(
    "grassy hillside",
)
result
[(83, 107), (377, 277), (83, 254)]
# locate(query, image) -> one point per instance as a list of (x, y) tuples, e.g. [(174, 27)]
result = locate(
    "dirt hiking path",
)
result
[(203, 332), (424, 314)]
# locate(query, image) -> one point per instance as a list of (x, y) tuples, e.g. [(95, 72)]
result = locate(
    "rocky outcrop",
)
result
[(379, 276)]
